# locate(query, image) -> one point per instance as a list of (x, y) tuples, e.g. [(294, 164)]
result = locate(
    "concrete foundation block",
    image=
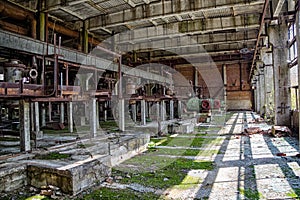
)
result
[(12, 177)]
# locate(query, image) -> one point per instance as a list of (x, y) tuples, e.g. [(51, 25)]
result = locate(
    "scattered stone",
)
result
[(280, 154), (128, 176), (54, 188), (33, 189), (109, 180), (46, 192), (118, 177)]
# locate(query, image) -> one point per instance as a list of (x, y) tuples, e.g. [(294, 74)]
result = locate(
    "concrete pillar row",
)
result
[(278, 37)]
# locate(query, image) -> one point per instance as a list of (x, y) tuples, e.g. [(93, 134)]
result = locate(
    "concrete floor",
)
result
[(246, 167)]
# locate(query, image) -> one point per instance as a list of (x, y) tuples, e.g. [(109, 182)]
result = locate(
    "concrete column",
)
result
[(162, 112), (85, 37), (105, 111), (133, 109), (257, 93), (93, 117), (50, 111), (225, 84), (32, 119), (70, 117), (43, 115), (42, 23), (24, 126), (143, 112), (179, 109), (157, 111), (37, 120), (262, 90), (97, 113), (121, 114), (278, 38), (171, 109), (62, 113), (255, 98), (269, 83)]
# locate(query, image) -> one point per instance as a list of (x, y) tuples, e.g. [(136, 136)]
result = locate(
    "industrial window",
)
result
[(292, 58)]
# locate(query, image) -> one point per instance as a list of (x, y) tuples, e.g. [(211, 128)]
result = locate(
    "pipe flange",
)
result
[(33, 73)]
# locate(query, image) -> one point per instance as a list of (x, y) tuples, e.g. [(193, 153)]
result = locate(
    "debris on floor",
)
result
[(274, 131)]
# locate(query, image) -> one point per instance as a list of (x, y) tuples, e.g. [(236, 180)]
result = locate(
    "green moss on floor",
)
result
[(107, 193), (251, 194), (159, 172), (190, 142), (109, 126), (295, 193), (56, 132), (183, 152), (9, 139), (189, 182), (52, 156)]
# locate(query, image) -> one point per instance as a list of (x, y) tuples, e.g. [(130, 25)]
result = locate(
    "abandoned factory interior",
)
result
[(149, 99)]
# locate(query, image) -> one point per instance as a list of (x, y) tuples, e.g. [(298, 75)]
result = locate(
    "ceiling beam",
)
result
[(72, 13), (278, 8), (163, 12), (181, 29)]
